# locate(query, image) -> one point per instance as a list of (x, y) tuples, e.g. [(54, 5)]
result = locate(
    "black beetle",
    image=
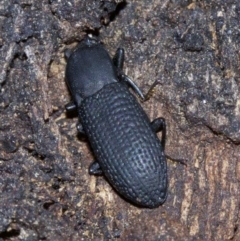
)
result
[(121, 135)]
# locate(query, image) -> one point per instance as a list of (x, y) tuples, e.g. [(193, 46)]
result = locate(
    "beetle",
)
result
[(123, 139)]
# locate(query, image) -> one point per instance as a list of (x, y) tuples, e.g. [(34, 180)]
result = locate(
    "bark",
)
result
[(191, 47)]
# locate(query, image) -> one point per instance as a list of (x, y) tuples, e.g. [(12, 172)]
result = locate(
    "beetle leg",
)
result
[(136, 89), (67, 53), (133, 86), (151, 89), (118, 59), (182, 161), (70, 107), (95, 169), (157, 125), (80, 129)]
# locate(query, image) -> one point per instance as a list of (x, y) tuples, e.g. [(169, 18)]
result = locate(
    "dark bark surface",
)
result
[(191, 47)]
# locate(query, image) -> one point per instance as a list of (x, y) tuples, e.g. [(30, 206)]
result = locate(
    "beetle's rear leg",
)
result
[(157, 125), (95, 169)]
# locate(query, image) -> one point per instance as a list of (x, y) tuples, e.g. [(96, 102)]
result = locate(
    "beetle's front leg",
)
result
[(118, 59), (151, 89)]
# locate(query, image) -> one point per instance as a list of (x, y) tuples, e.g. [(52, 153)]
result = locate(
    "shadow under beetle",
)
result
[(123, 139)]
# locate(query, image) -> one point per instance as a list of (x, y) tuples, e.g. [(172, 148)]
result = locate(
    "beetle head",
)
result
[(89, 69)]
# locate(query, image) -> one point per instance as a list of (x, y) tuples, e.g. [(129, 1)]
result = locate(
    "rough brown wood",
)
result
[(192, 47)]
